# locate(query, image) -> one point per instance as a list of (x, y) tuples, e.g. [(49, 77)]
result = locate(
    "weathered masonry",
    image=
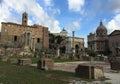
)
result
[(21, 35)]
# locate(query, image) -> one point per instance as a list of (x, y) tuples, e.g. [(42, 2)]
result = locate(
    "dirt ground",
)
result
[(112, 75)]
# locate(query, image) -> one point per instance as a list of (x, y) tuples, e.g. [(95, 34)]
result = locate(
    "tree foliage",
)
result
[(92, 53)]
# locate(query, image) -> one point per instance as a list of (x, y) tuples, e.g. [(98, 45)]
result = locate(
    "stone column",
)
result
[(58, 52), (73, 38), (27, 36), (34, 44), (73, 46)]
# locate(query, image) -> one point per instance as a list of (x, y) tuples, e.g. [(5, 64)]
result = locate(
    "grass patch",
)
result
[(35, 60), (64, 60), (13, 74)]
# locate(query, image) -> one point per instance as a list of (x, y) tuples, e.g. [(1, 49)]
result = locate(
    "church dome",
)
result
[(101, 30)]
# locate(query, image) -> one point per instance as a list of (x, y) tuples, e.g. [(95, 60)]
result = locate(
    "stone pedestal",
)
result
[(45, 64), (89, 71), (26, 61)]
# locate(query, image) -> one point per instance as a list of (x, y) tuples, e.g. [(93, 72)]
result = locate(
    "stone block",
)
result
[(89, 71), (4, 58), (45, 64), (91, 58), (97, 58), (86, 58), (12, 60), (26, 61), (102, 58), (115, 65)]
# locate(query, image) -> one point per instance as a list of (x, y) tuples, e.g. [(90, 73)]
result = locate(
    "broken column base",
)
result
[(89, 71)]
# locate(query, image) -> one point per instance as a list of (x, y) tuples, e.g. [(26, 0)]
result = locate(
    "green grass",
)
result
[(13, 74), (35, 60), (64, 60)]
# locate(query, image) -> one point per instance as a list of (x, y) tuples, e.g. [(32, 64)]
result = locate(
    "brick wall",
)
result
[(10, 30)]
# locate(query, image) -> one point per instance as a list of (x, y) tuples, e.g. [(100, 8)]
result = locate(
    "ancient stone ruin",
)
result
[(89, 71), (115, 60), (45, 64), (12, 60), (25, 61)]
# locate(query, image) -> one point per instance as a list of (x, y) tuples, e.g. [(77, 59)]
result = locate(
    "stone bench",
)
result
[(89, 71), (26, 61)]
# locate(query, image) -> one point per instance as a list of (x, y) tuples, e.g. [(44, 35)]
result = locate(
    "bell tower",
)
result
[(24, 19)]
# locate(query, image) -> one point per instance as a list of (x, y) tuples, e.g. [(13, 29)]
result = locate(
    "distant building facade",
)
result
[(78, 44), (98, 41), (63, 33), (114, 42), (20, 35)]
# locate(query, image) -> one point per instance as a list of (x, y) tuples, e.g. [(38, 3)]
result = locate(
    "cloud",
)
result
[(12, 11), (48, 2), (114, 24), (97, 7), (114, 6), (75, 25), (76, 5)]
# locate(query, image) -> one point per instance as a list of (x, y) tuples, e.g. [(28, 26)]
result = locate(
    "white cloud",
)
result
[(76, 5), (12, 11), (114, 6), (48, 2), (114, 24), (75, 25)]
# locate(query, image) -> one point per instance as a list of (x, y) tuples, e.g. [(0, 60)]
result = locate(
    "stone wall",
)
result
[(89, 71), (26, 61), (13, 34), (115, 63), (12, 60), (114, 41)]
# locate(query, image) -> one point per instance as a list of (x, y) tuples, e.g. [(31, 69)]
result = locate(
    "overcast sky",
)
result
[(81, 16)]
